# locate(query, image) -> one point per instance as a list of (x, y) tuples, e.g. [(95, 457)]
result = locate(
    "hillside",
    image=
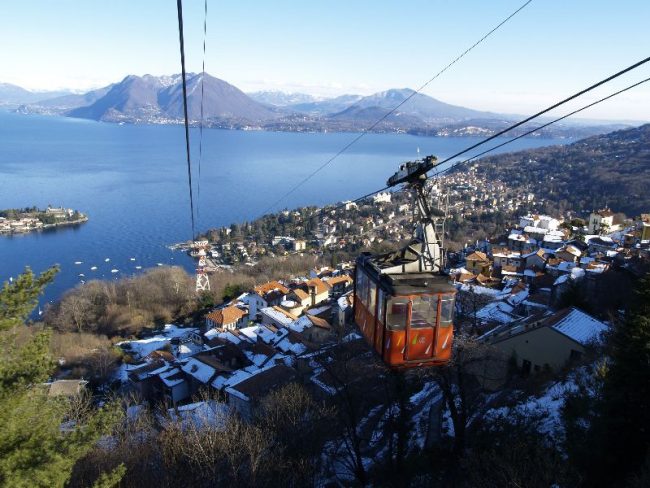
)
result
[(611, 169), (159, 99), (13, 95), (427, 109)]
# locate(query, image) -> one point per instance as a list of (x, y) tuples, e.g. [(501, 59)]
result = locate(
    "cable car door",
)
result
[(421, 328)]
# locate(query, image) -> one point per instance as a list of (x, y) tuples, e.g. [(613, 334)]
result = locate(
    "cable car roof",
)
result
[(403, 283)]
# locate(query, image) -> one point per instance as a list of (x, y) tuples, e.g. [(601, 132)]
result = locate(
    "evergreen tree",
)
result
[(619, 435), (39, 439)]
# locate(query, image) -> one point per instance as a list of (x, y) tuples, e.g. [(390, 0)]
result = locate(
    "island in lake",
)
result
[(18, 221)]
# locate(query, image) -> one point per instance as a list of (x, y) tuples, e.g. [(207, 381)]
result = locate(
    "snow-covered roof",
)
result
[(199, 370), (500, 312), (171, 377), (277, 316), (285, 345), (529, 229), (579, 326), (479, 290), (301, 324)]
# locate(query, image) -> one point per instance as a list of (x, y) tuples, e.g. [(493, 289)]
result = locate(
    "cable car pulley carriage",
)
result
[(403, 304)]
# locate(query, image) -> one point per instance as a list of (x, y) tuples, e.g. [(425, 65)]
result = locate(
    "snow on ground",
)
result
[(201, 414), (143, 347), (546, 407), (422, 403)]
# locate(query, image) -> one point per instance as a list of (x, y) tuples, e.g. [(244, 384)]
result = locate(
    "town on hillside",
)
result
[(536, 294)]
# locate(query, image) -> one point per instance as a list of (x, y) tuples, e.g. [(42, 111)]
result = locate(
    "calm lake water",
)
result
[(132, 182)]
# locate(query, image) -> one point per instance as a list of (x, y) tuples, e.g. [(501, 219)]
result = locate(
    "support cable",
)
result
[(179, 4), (446, 170), (548, 109), (384, 117), (198, 184), (449, 168)]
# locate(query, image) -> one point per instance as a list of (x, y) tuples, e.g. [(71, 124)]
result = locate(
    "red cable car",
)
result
[(403, 304)]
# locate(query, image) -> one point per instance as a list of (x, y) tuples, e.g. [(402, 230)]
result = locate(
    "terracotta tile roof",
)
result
[(481, 278), (318, 322), (464, 277), (302, 295), (160, 354), (269, 287), (227, 315), (477, 256), (339, 279), (319, 284)]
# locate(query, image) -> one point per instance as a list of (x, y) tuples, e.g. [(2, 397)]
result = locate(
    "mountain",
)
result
[(13, 95), (281, 99), (605, 170), (425, 108), (159, 99), (326, 107), (62, 104)]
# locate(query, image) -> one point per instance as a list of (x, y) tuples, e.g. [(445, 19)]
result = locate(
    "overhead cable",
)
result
[(179, 5), (385, 116)]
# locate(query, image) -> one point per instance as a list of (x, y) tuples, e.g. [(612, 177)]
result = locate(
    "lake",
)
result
[(131, 180)]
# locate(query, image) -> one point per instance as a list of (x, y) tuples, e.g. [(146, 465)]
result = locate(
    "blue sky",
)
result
[(549, 50)]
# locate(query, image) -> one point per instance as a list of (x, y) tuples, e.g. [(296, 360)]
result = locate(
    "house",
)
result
[(144, 378), (315, 330), (66, 388), (478, 263), (344, 310), (174, 386), (276, 316), (228, 318), (268, 294), (546, 339), (600, 221), (318, 291), (601, 244), (338, 285), (535, 260), (299, 245), (568, 253), (518, 241), (505, 257), (300, 296), (245, 396)]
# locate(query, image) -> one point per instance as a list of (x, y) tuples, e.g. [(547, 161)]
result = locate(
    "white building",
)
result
[(600, 221)]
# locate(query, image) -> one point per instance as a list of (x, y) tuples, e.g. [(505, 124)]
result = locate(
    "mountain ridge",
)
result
[(158, 100)]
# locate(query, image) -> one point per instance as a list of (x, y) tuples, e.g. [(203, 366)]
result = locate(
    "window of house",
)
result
[(575, 355)]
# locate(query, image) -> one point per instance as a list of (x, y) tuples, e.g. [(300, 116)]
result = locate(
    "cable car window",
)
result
[(372, 296), (423, 312), (381, 298), (362, 286), (446, 310), (396, 313)]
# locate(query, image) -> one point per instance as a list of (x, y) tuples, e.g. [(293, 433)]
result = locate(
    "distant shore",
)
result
[(22, 221)]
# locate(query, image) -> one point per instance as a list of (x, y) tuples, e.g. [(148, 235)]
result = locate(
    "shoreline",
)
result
[(43, 227)]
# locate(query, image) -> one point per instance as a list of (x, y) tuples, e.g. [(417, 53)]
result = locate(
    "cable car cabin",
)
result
[(403, 304), (406, 318)]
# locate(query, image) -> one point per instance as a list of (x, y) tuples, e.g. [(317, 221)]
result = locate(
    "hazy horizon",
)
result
[(547, 51)]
